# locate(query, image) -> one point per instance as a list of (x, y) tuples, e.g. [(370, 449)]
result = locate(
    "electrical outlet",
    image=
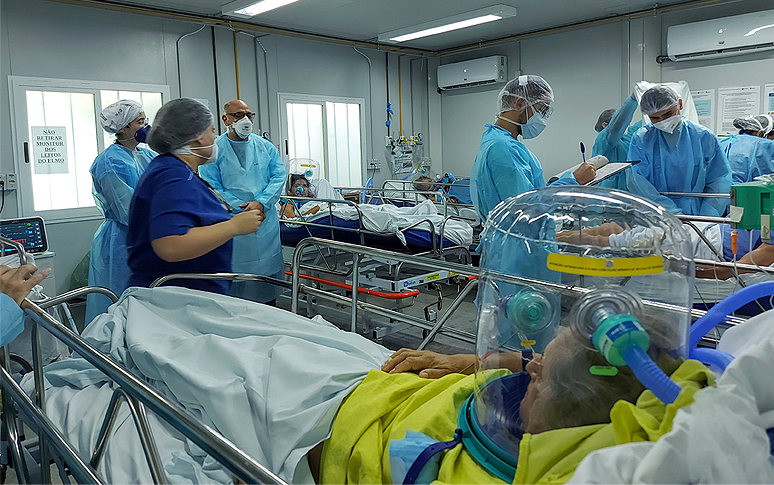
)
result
[(374, 164), (2, 179), (10, 181)]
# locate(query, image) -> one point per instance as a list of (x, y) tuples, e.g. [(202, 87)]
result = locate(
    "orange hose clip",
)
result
[(734, 236)]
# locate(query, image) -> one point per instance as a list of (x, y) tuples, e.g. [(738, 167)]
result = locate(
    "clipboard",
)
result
[(603, 173)]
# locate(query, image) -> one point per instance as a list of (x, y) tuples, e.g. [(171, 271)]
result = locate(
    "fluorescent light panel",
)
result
[(446, 28), (239, 9), (469, 19)]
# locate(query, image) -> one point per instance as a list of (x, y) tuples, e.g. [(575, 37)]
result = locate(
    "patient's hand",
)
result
[(597, 236), (313, 210), (430, 365)]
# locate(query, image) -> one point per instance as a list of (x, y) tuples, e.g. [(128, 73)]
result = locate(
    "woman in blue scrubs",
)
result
[(177, 222), (115, 173)]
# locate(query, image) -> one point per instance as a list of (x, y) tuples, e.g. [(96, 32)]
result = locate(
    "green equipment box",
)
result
[(755, 200)]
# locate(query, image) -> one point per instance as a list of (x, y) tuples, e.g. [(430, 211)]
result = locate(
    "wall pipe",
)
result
[(370, 95), (387, 81), (400, 100), (266, 74), (236, 64), (215, 69), (177, 57)]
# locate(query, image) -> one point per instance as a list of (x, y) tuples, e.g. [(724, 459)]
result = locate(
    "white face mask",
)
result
[(243, 127), (188, 150), (668, 125)]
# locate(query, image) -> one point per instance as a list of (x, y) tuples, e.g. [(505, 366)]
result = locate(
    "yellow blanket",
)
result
[(384, 406)]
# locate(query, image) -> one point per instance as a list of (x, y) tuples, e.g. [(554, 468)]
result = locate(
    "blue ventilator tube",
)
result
[(727, 306), (651, 375), (714, 357)]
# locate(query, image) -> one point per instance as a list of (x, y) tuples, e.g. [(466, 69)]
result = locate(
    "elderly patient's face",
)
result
[(538, 391)]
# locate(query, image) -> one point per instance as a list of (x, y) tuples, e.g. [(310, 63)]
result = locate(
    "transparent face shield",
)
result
[(587, 279)]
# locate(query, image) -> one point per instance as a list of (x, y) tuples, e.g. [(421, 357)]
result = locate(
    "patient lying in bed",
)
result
[(284, 388), (751, 250)]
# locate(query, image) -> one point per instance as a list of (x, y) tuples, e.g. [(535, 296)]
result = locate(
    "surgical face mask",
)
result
[(188, 150), (243, 127), (533, 127), (668, 125), (142, 134)]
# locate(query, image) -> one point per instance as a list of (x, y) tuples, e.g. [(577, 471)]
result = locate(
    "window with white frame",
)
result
[(57, 135), (327, 130)]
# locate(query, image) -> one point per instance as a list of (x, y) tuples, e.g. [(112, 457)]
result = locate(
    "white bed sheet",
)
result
[(390, 218), (268, 380)]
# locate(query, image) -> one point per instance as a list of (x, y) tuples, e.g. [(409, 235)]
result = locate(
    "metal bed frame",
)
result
[(472, 273), (137, 394), (379, 274)]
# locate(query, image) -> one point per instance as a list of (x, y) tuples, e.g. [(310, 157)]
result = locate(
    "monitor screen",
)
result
[(28, 231)]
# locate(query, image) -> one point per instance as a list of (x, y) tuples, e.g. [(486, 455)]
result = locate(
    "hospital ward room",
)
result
[(357, 241)]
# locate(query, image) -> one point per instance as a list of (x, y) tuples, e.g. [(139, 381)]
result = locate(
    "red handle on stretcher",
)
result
[(380, 294)]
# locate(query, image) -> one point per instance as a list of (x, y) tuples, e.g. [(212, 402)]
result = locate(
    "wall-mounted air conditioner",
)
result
[(475, 72), (728, 36)]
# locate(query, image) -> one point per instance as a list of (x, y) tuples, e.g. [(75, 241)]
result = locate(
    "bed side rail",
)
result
[(135, 392), (358, 252)]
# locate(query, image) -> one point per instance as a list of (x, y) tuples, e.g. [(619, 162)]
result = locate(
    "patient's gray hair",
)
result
[(580, 398)]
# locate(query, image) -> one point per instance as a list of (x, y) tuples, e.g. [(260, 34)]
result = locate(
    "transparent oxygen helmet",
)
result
[(306, 168), (600, 283), (301, 185)]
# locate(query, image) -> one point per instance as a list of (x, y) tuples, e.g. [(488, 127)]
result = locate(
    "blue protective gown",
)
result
[(11, 320), (115, 173), (246, 171), (749, 156), (613, 142), (170, 200), (688, 160), (504, 167)]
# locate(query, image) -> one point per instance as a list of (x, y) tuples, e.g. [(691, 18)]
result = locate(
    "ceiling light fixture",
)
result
[(244, 9), (469, 19)]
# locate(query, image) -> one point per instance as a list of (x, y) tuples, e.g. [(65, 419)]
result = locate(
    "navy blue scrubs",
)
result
[(169, 200)]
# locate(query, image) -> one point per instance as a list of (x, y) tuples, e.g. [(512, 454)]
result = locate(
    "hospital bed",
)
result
[(31, 458), (108, 346), (708, 247), (402, 191), (415, 230)]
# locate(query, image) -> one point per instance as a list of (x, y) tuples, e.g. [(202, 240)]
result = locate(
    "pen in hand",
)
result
[(583, 151)]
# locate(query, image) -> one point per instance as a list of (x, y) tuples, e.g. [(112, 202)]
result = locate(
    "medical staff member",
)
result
[(504, 166), (15, 285), (615, 134), (115, 173), (677, 155), (250, 174), (749, 154), (177, 222), (768, 126)]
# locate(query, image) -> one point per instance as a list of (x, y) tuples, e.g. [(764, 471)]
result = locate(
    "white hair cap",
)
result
[(533, 89), (119, 114)]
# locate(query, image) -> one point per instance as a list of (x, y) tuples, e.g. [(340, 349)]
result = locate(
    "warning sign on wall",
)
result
[(49, 149)]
